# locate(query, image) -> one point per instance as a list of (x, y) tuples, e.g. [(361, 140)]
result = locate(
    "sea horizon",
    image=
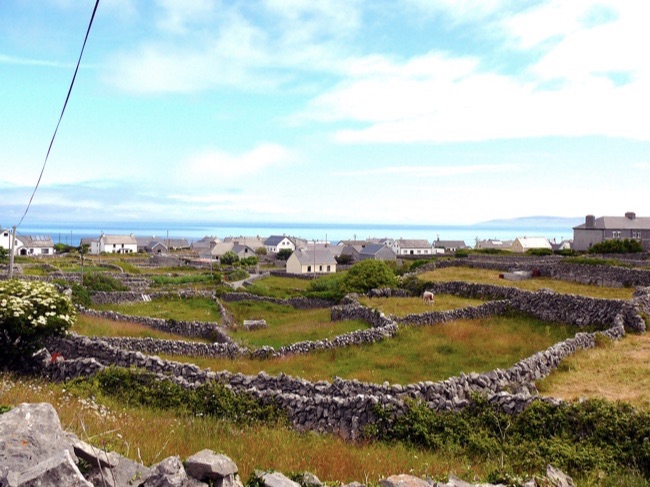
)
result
[(72, 233)]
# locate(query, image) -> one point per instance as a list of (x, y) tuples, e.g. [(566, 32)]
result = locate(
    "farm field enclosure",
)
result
[(414, 354)]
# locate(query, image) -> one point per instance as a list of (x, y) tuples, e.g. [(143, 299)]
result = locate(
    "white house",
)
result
[(5, 241), (276, 243), (36, 245), (114, 244), (26, 244), (311, 262), (412, 247), (522, 244)]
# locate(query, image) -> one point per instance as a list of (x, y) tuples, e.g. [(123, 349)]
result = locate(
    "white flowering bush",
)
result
[(29, 313)]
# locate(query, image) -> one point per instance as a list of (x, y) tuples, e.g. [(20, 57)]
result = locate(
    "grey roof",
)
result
[(321, 257), (373, 249), (119, 239), (414, 244), (447, 244), (618, 222), (36, 241), (273, 240)]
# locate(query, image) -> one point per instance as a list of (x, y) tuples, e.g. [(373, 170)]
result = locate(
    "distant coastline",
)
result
[(71, 233)]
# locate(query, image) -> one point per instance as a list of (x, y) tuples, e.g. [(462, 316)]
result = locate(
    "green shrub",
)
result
[(229, 258), (238, 275), (539, 252), (368, 274), (30, 312), (617, 246), (96, 282), (580, 438), (329, 286), (284, 254), (141, 388)]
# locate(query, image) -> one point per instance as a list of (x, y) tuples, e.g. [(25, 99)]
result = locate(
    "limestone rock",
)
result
[(94, 455), (207, 465), (403, 480), (276, 479), (308, 479), (58, 470), (30, 434), (125, 473), (557, 478), (168, 473)]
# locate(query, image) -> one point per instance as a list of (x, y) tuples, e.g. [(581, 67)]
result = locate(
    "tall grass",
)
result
[(176, 308), (614, 370), (279, 287), (101, 327), (150, 435), (404, 306), (286, 325), (486, 276), (416, 353)]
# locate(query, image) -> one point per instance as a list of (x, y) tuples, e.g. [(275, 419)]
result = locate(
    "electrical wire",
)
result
[(49, 149)]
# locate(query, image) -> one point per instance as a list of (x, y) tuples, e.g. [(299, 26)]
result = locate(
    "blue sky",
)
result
[(348, 111)]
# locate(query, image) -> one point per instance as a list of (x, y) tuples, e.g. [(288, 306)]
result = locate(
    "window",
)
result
[(616, 234), (320, 268), (328, 268), (636, 234), (308, 268)]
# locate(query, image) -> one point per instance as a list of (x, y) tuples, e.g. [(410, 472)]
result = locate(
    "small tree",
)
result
[(261, 251), (229, 258), (344, 259), (368, 274), (30, 312), (617, 246), (4, 254), (284, 254)]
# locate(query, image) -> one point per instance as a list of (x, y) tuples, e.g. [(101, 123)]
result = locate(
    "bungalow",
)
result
[(522, 244), (36, 245), (444, 246), (204, 245), (250, 242), (276, 243), (412, 247), (220, 249), (494, 243), (377, 252), (114, 244), (596, 230), (311, 262)]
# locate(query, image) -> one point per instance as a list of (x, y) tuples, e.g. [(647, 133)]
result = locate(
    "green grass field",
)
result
[(404, 306), (416, 354), (175, 308), (485, 276)]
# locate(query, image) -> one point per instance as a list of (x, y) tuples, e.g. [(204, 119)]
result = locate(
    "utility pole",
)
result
[(12, 246)]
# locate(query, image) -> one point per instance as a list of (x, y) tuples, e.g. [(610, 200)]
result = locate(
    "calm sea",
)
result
[(72, 233)]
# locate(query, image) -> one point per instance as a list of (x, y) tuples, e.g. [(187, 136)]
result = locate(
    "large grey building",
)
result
[(595, 230)]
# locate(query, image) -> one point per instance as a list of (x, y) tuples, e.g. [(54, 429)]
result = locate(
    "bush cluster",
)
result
[(617, 246), (580, 438), (30, 312), (141, 388)]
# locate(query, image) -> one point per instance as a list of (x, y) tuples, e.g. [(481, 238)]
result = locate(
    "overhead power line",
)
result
[(49, 149)]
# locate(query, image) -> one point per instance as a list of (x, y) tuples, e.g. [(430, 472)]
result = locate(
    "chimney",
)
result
[(590, 221), (630, 215)]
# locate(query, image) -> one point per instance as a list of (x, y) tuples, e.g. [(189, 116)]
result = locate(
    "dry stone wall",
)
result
[(297, 303), (554, 267), (200, 329)]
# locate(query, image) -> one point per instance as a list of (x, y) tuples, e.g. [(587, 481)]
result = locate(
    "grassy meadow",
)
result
[(405, 306), (613, 370), (175, 308), (616, 371), (486, 276), (415, 353)]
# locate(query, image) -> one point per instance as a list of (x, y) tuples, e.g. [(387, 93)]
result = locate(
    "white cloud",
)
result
[(216, 166), (432, 171)]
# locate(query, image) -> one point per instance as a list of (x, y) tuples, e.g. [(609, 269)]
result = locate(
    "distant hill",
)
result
[(534, 222)]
